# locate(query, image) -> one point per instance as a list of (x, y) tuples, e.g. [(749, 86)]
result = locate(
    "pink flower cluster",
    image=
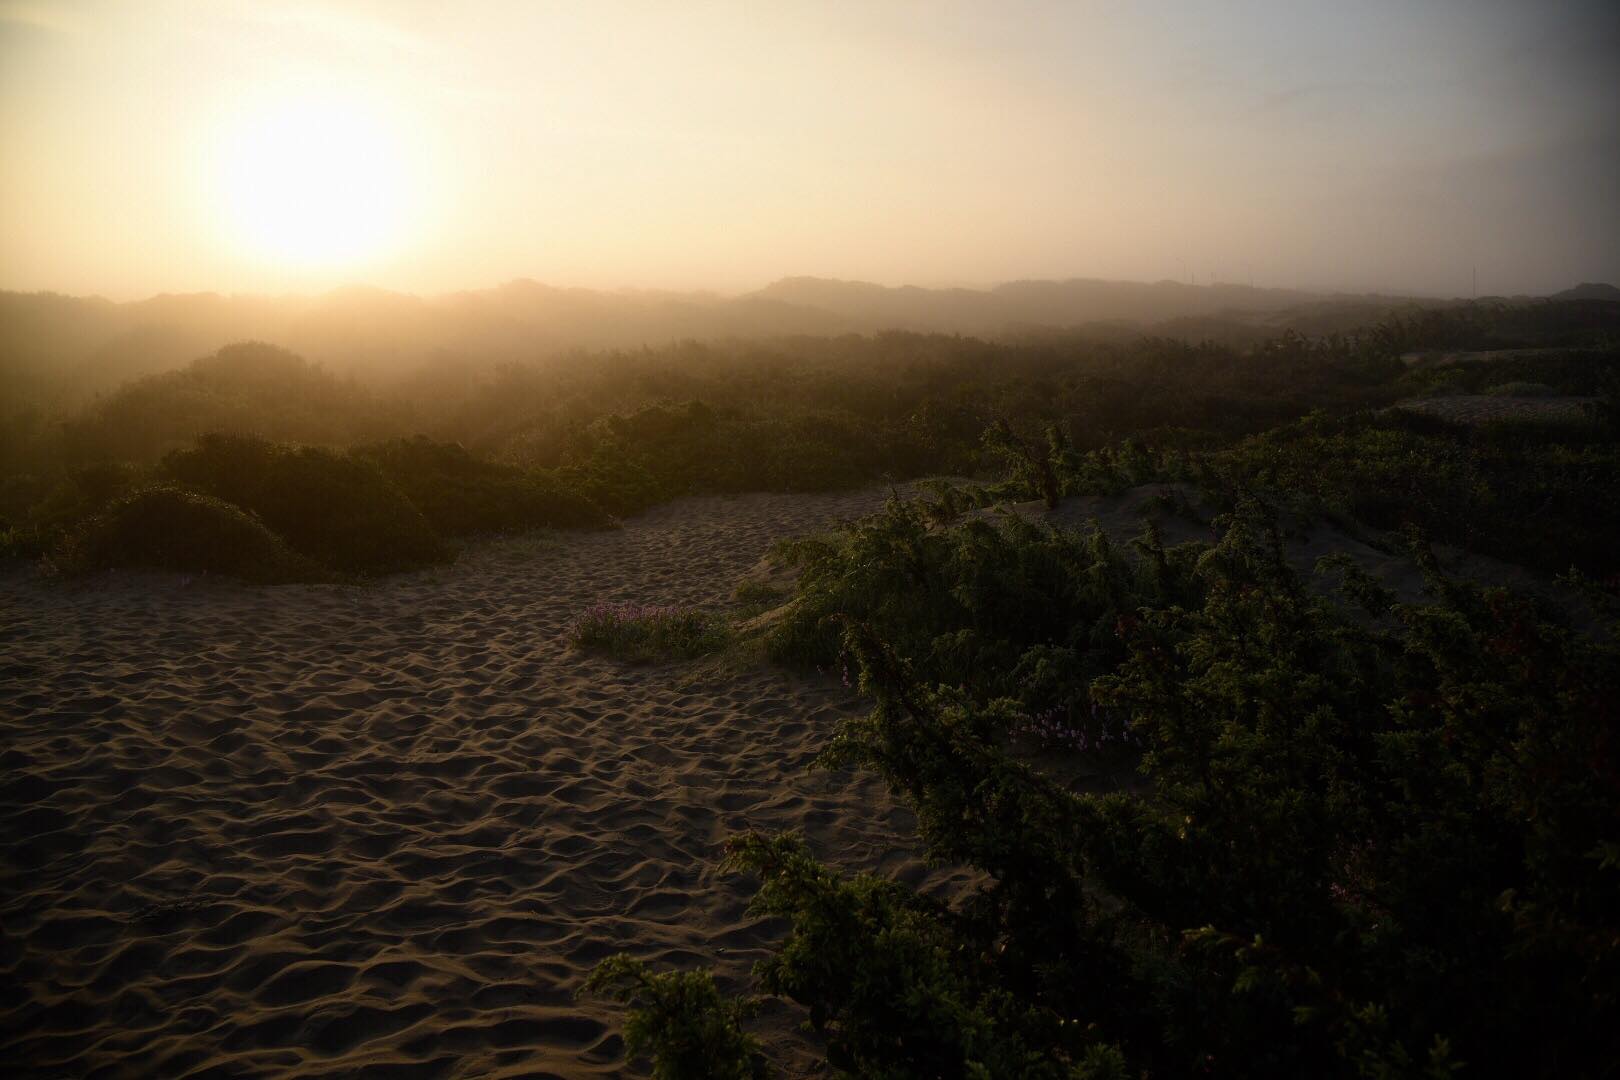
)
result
[(633, 611), (617, 613)]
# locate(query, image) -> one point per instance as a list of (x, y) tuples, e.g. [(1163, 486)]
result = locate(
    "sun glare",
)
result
[(314, 182)]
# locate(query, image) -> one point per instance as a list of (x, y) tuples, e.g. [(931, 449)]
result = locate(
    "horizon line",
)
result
[(723, 295)]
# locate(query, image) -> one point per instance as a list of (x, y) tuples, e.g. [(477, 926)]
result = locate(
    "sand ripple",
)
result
[(385, 831)]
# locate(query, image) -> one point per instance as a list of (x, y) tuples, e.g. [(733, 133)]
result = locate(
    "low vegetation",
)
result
[(378, 509), (1540, 495), (163, 528), (683, 1018), (335, 508), (461, 495), (1380, 838), (645, 633), (1374, 835), (374, 479), (249, 388)]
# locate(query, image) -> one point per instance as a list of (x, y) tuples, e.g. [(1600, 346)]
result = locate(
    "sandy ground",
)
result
[(386, 831)]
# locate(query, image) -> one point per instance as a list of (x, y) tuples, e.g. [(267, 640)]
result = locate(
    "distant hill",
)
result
[(59, 350), (1026, 304), (1588, 291)]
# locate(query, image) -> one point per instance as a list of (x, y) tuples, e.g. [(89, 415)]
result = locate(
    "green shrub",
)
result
[(756, 597), (682, 1020), (1578, 371), (1541, 495), (80, 492), (244, 387), (1036, 464), (338, 510), (1015, 609), (36, 513), (168, 529), (17, 542), (461, 495), (627, 462), (648, 633), (1383, 847), (20, 495)]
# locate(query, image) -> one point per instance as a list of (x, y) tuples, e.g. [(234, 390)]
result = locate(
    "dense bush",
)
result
[(1382, 840), (36, 513), (1540, 494), (168, 529), (1546, 496), (376, 509), (461, 495), (1017, 610), (683, 1018), (625, 430), (628, 462), (338, 510), (248, 388)]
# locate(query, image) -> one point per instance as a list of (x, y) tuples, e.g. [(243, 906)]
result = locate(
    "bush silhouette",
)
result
[(165, 528), (335, 509), (247, 387), (461, 495)]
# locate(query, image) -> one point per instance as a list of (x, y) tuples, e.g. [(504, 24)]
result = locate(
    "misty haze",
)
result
[(909, 540)]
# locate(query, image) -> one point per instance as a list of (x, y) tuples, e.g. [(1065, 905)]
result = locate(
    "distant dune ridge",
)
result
[(47, 335), (1588, 290)]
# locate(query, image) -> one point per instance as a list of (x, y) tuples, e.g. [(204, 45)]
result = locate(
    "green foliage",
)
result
[(245, 388), (18, 543), (39, 513), (1605, 411), (1364, 808), (626, 430), (1497, 324), (887, 976), (756, 597), (461, 495), (645, 633), (1540, 497), (377, 509), (628, 462), (1381, 838), (681, 1020), (338, 510), (1036, 464), (167, 529), (1013, 609)]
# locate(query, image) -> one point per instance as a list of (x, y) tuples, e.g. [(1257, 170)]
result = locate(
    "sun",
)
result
[(315, 181)]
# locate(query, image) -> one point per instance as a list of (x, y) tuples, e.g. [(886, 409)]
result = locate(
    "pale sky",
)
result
[(248, 146)]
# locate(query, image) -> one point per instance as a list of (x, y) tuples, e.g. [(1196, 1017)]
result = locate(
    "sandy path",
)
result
[(386, 831)]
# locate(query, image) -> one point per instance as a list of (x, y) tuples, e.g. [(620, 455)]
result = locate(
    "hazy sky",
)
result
[(242, 145)]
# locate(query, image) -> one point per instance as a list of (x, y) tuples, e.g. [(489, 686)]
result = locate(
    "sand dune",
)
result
[(386, 831)]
